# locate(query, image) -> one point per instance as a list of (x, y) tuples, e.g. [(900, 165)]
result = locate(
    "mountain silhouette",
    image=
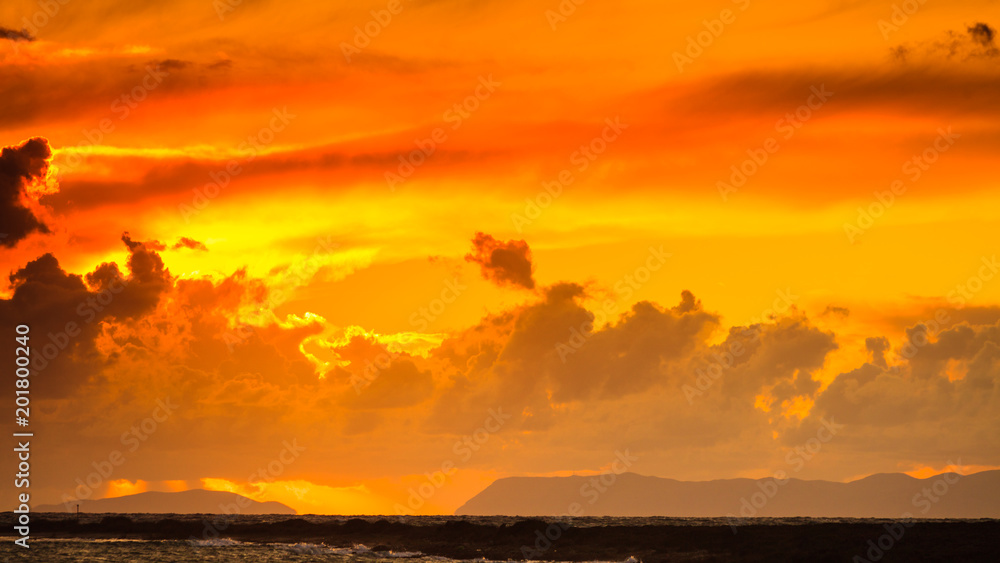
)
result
[(885, 495), (195, 501)]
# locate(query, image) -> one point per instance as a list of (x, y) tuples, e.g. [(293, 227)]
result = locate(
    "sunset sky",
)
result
[(356, 236)]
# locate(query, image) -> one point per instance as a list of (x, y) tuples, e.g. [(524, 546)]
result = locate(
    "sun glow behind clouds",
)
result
[(262, 274), (122, 487), (306, 497)]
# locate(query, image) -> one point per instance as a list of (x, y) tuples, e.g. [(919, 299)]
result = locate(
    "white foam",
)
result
[(308, 548), (215, 542), (357, 549)]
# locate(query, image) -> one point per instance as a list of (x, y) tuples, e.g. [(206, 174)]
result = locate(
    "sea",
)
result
[(222, 549)]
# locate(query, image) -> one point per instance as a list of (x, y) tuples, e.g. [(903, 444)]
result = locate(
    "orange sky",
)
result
[(369, 242)]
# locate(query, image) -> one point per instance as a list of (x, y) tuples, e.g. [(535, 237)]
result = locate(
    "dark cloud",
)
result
[(54, 304), (175, 177), (571, 377), (20, 166), (552, 351), (85, 89), (835, 310), (877, 347), (15, 35), (777, 357), (170, 64), (504, 263), (402, 384), (546, 359), (899, 53), (186, 242), (224, 64), (66, 312), (944, 92), (982, 33), (974, 43), (942, 398), (375, 382), (648, 345), (149, 278)]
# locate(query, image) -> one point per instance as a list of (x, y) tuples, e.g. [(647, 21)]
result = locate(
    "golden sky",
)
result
[(366, 242)]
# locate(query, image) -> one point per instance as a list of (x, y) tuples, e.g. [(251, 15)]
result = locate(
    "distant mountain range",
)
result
[(885, 495), (196, 501)]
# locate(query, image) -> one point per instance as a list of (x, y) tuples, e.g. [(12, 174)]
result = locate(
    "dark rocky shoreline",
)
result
[(944, 541)]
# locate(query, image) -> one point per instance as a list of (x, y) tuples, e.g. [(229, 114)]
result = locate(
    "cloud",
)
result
[(835, 310), (975, 43), (377, 384), (186, 242), (982, 33), (504, 263), (15, 35), (68, 311), (170, 64), (877, 347), (940, 399), (577, 382), (86, 88), (580, 383), (551, 351), (20, 167), (224, 64)]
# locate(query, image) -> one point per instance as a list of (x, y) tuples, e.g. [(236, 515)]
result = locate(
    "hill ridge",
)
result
[(192, 501), (880, 495)]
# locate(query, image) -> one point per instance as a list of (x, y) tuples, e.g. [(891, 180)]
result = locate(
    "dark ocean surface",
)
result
[(119, 538)]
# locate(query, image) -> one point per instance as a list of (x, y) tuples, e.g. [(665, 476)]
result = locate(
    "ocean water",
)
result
[(226, 550), (58, 550), (223, 549), (579, 521)]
